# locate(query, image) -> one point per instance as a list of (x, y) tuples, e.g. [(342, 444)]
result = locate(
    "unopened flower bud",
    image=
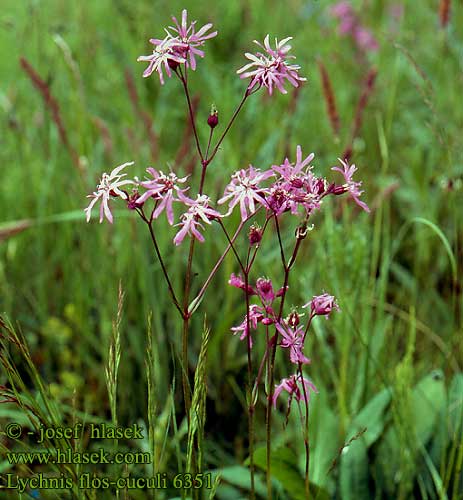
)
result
[(132, 200), (297, 183), (301, 231), (293, 319), (320, 186), (213, 119), (173, 64), (337, 190), (255, 235)]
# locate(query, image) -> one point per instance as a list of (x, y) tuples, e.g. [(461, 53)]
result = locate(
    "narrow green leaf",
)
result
[(354, 471), (428, 399), (372, 417), (284, 468), (455, 406)]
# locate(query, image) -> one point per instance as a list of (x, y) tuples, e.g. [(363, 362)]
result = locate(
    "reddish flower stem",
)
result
[(204, 163), (245, 270), (211, 133), (230, 242), (230, 123), (306, 432), (273, 341), (221, 259), (249, 390), (183, 79), (149, 223)]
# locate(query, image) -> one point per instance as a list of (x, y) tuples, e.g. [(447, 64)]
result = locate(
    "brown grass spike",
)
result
[(330, 101), (52, 104), (367, 90), (444, 12)]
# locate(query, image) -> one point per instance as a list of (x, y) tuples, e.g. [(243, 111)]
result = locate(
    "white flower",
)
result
[(108, 186)]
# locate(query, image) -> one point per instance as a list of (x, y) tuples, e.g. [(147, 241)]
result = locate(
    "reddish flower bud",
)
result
[(255, 235), (213, 119), (320, 186), (238, 282), (293, 319), (296, 183), (173, 64), (337, 190), (132, 200)]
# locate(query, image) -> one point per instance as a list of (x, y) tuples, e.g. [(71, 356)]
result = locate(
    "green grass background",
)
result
[(396, 346)]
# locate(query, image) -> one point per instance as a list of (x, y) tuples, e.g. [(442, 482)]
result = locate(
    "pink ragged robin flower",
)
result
[(322, 305), (293, 386), (238, 282), (265, 291), (290, 171), (255, 234), (349, 25), (164, 189), (255, 316), (350, 186), (296, 186), (365, 40), (294, 339), (278, 199), (192, 39), (166, 55), (109, 186), (271, 69), (199, 209), (346, 15), (244, 188), (179, 47)]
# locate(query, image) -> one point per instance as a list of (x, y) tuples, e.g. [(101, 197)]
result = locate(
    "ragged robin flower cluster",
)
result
[(263, 195)]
